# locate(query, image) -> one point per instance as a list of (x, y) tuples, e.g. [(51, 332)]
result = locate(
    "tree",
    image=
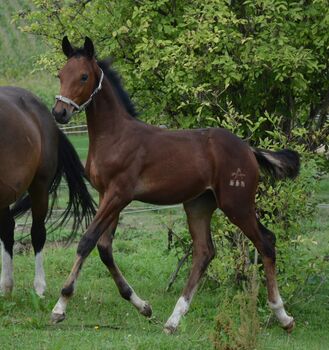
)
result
[(187, 63)]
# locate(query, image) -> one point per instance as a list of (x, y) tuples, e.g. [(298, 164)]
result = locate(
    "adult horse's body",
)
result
[(203, 169), (34, 155)]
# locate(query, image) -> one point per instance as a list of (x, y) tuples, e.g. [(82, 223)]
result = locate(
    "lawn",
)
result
[(99, 318)]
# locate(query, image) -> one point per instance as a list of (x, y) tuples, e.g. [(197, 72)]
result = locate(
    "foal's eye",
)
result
[(84, 77)]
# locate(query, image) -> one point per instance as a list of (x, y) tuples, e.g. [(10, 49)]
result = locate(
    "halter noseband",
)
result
[(85, 104)]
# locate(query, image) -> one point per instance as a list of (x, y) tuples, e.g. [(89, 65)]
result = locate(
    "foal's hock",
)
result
[(128, 160)]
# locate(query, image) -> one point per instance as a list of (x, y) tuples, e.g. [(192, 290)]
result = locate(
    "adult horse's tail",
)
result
[(80, 205), (280, 164)]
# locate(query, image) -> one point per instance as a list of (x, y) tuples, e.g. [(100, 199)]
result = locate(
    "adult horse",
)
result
[(35, 155), (203, 169)]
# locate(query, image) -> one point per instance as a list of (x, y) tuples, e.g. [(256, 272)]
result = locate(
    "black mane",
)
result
[(115, 81)]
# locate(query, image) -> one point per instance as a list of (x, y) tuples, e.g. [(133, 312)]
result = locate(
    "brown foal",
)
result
[(128, 160)]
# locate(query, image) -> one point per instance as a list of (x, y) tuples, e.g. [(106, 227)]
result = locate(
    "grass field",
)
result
[(99, 318)]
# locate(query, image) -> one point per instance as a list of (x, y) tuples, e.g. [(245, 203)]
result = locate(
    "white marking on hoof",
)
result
[(57, 318), (40, 288), (142, 306), (39, 279), (6, 281), (280, 313), (180, 310), (58, 312), (290, 327), (169, 330)]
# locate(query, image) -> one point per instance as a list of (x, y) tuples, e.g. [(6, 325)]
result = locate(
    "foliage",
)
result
[(18, 51), (184, 61), (237, 323)]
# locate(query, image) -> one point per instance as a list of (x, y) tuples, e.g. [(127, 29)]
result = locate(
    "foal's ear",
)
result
[(89, 47), (67, 47)]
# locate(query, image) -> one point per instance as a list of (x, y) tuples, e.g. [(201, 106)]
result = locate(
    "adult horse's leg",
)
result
[(7, 225), (39, 198), (104, 246), (199, 212), (264, 241), (106, 216)]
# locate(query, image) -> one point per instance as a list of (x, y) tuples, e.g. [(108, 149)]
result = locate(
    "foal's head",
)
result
[(78, 79)]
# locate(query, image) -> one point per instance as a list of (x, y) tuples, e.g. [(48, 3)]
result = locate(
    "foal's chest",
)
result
[(93, 173)]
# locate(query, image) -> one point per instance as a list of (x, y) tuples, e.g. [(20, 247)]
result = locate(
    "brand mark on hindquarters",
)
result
[(237, 179)]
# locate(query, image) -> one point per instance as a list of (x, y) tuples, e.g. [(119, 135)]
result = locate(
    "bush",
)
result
[(184, 61)]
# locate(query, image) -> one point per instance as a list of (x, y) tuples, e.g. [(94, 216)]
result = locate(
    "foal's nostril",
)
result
[(64, 112)]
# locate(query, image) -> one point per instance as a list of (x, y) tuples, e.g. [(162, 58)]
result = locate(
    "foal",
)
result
[(128, 160)]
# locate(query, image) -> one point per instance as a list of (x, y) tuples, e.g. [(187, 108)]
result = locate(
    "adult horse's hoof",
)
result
[(290, 326), (6, 288), (147, 310), (56, 318)]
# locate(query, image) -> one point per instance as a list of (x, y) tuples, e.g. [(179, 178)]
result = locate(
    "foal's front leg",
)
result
[(104, 246), (107, 214)]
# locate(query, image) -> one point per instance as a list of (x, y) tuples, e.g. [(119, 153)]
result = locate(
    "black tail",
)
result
[(80, 206), (280, 164)]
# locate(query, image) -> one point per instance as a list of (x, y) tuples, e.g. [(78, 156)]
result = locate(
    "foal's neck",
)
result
[(105, 114)]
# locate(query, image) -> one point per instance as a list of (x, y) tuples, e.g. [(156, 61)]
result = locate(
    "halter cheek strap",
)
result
[(85, 104)]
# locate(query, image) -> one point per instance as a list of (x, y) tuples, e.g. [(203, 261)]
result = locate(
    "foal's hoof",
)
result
[(168, 329), (146, 310), (56, 318), (290, 326)]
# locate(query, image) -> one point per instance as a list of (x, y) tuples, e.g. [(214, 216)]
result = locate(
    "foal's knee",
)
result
[(86, 245)]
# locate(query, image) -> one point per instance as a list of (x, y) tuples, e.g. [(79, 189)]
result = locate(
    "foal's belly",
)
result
[(169, 191)]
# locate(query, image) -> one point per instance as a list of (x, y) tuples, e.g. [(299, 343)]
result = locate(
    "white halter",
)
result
[(85, 104)]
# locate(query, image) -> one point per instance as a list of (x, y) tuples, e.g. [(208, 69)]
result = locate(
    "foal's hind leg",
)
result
[(199, 212), (104, 246), (7, 225), (39, 198), (264, 241)]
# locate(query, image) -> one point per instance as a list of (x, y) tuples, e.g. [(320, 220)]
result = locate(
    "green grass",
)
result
[(80, 143), (97, 317)]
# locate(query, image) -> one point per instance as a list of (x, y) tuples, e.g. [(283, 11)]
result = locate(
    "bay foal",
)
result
[(128, 160)]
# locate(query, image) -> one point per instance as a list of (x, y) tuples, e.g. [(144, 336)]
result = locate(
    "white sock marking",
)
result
[(60, 306), (280, 312), (39, 279), (6, 281), (180, 310), (137, 301)]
